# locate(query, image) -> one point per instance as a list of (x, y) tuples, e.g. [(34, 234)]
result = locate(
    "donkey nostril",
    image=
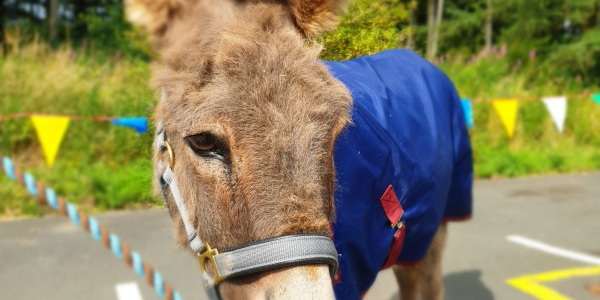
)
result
[(163, 189), (269, 294)]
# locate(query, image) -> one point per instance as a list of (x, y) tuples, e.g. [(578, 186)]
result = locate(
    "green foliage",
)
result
[(15, 202), (96, 27), (564, 34), (98, 165), (522, 32), (370, 26), (112, 33), (537, 147), (580, 59), (464, 18), (128, 184)]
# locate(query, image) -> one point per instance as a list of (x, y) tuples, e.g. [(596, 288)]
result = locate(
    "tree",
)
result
[(52, 13), (412, 25), (464, 29), (488, 26), (436, 28), (2, 38), (434, 20), (80, 9), (592, 20), (430, 25)]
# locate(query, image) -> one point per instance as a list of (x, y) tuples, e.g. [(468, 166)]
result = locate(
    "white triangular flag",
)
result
[(557, 107)]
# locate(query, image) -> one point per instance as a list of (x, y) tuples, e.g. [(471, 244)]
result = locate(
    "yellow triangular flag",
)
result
[(50, 131), (507, 110)]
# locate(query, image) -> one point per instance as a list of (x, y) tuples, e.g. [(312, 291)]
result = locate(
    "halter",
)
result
[(283, 251)]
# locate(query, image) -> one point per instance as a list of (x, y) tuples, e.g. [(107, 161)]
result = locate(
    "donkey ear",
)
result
[(314, 17), (152, 15)]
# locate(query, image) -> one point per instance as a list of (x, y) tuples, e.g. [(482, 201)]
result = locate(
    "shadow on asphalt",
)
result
[(463, 285), (466, 285)]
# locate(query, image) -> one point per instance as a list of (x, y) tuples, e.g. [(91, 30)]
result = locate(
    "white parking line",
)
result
[(128, 291), (582, 257)]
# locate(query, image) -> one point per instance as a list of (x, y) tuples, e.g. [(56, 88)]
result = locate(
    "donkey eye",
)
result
[(201, 142), (207, 145)]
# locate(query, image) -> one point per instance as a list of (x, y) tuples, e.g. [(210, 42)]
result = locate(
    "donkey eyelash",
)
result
[(202, 142), (208, 145)]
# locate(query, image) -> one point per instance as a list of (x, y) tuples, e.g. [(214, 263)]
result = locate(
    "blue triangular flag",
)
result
[(468, 109), (596, 98), (139, 124)]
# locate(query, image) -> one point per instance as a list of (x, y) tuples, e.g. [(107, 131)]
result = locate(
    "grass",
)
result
[(537, 147), (101, 166)]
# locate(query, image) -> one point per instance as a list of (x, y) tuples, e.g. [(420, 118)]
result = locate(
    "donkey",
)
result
[(260, 143)]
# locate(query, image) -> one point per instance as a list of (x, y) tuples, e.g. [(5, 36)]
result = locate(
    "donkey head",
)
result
[(252, 117)]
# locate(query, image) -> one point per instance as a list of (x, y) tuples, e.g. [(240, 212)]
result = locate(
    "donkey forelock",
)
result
[(244, 74)]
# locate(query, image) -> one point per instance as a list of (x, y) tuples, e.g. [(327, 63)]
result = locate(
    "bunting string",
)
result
[(507, 109), (99, 233), (582, 96), (51, 129), (585, 95), (78, 118)]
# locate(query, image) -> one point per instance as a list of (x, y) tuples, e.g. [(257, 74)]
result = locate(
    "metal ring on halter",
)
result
[(171, 154), (209, 254)]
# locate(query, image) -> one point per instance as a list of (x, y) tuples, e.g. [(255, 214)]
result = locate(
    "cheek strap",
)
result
[(169, 182), (278, 252)]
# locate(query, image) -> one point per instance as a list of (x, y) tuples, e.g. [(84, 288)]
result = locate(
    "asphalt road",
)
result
[(50, 258)]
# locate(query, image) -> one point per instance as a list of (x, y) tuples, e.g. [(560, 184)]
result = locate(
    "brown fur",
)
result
[(152, 15), (245, 72), (315, 17), (426, 277), (255, 84), (311, 18)]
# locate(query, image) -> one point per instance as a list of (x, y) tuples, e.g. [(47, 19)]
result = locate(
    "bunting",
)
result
[(507, 110), (50, 131), (557, 107), (139, 124), (468, 110), (596, 97)]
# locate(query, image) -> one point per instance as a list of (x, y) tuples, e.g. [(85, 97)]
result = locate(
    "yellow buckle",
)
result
[(209, 254), (171, 154)]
